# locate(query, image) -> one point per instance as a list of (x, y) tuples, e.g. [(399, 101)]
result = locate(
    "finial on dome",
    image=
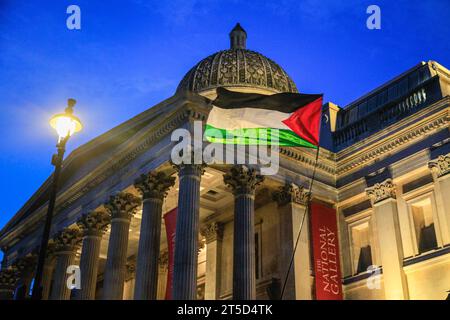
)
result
[(238, 37)]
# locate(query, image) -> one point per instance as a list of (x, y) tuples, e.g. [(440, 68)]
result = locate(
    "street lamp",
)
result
[(65, 125)]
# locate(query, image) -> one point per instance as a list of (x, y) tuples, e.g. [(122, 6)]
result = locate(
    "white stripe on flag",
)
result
[(241, 118)]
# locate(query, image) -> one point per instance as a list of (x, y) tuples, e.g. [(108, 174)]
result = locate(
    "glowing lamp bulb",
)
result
[(66, 124)]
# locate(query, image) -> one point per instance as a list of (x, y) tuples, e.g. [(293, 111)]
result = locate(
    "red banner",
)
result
[(326, 252), (170, 220)]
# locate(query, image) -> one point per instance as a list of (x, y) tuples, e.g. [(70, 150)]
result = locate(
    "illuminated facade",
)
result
[(384, 165)]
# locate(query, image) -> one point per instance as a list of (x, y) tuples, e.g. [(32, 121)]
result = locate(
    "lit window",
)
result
[(422, 212), (362, 251)]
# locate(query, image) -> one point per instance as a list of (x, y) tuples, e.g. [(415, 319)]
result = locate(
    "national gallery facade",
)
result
[(383, 170)]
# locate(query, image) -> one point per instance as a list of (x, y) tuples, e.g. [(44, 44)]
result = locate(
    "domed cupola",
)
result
[(237, 69)]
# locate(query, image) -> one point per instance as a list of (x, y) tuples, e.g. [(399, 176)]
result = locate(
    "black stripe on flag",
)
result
[(284, 102)]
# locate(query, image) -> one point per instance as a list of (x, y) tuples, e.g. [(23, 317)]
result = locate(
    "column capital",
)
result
[(290, 192), (440, 166), (26, 264), (200, 244), (242, 180), (381, 191), (9, 278), (67, 240), (195, 170), (154, 185), (212, 231), (163, 261), (122, 205), (130, 269), (94, 223)]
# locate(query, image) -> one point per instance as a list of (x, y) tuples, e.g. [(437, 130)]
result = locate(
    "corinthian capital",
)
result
[(26, 264), (212, 231), (130, 269), (242, 180), (94, 223), (163, 261), (290, 192), (440, 166), (67, 240), (154, 185), (381, 191), (193, 170), (9, 278), (123, 205)]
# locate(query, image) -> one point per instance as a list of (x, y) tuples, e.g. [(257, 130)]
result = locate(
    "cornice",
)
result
[(308, 159), (132, 152)]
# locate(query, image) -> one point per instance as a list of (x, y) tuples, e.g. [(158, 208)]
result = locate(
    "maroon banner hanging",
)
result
[(170, 220), (326, 252)]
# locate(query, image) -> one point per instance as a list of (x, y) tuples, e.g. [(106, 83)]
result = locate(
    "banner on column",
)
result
[(326, 252), (170, 220)]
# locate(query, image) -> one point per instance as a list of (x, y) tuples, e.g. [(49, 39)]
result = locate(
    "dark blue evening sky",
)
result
[(129, 55)]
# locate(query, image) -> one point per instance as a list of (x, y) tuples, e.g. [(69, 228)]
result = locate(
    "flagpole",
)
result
[(302, 222)]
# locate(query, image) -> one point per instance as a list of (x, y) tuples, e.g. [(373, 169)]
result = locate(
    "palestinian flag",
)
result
[(250, 119)]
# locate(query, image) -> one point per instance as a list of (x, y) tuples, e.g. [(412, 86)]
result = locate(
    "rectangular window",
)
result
[(393, 92), (413, 80), (372, 104), (424, 74), (353, 115), (403, 87), (382, 98), (343, 118), (361, 247), (362, 109), (422, 213)]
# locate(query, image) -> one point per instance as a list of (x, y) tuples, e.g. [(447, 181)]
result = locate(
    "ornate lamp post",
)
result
[(65, 124)]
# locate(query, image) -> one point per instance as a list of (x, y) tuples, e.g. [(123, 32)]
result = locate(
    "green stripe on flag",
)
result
[(256, 136)]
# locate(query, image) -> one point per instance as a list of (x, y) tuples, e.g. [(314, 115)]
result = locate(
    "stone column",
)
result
[(186, 239), (92, 225), (8, 282), (243, 182), (121, 207), (26, 267), (153, 187), (292, 201), (384, 203), (440, 168), (163, 263), (47, 274), (213, 233), (67, 243)]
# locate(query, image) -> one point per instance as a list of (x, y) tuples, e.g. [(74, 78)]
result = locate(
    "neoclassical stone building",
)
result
[(384, 165)]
